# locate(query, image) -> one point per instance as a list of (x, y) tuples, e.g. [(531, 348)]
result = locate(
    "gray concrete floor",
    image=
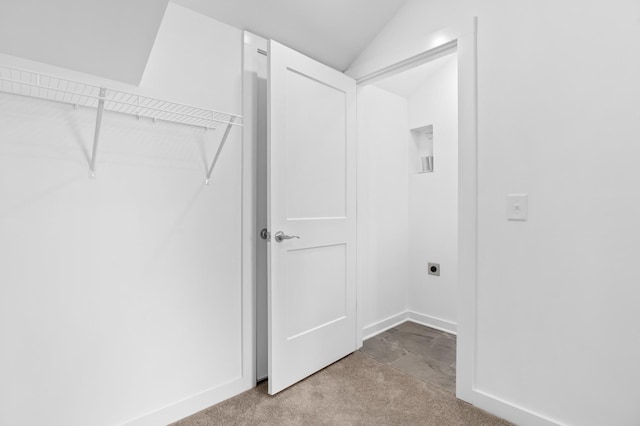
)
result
[(423, 352)]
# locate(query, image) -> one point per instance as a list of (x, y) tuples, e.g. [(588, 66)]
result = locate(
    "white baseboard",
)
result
[(192, 404), (477, 397), (384, 325), (433, 322), (397, 319), (509, 411)]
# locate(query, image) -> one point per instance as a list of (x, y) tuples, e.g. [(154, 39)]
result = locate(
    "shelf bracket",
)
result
[(96, 135), (222, 142)]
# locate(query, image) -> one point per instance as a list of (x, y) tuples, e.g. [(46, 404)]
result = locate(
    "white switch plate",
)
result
[(517, 206)]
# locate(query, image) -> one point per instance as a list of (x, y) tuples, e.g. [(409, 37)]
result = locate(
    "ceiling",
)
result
[(114, 38), (333, 32), (111, 39), (408, 82)]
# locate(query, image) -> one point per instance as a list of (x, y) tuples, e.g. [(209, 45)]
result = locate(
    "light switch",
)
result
[(517, 206)]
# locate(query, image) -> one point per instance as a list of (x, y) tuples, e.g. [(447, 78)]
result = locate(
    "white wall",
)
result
[(121, 296), (433, 199), (418, 210), (410, 219), (382, 135), (556, 308)]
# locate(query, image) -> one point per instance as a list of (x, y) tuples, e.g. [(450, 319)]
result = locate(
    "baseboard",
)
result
[(397, 319), (509, 411), (484, 400), (433, 322), (384, 325), (477, 397), (192, 404)]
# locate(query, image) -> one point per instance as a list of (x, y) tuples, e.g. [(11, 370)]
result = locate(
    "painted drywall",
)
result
[(558, 102), (382, 134), (433, 197), (121, 296)]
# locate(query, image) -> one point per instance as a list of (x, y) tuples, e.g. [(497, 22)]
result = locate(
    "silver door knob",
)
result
[(281, 236)]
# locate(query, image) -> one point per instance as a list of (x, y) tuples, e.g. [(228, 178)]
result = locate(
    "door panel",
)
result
[(311, 284), (312, 194), (318, 128)]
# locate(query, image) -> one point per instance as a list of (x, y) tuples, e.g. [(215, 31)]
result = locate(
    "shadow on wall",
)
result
[(161, 248), (149, 144)]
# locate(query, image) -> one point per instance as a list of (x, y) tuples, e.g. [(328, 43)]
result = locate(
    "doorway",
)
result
[(408, 126), (467, 211)]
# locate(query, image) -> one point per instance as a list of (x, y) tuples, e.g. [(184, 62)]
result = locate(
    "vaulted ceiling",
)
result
[(108, 38), (333, 32), (113, 38)]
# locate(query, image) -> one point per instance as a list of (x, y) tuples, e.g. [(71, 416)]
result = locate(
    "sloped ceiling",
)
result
[(108, 38), (333, 32)]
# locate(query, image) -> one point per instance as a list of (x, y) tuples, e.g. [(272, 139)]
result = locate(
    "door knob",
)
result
[(281, 236)]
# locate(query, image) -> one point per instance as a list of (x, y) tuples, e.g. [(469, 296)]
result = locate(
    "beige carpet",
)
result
[(356, 390)]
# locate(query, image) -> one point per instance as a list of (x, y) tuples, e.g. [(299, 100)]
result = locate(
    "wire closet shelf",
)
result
[(36, 85), (42, 86)]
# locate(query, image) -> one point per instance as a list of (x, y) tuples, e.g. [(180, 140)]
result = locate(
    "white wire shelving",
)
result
[(42, 86)]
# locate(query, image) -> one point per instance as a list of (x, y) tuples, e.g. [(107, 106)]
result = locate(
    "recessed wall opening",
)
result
[(422, 148)]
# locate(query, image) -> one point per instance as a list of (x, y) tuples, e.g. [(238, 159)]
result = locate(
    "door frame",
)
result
[(464, 36), (250, 238), (462, 39)]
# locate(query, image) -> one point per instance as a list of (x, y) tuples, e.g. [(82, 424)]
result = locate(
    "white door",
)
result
[(311, 195)]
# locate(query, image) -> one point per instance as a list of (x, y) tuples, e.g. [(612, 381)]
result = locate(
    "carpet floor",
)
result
[(356, 390)]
